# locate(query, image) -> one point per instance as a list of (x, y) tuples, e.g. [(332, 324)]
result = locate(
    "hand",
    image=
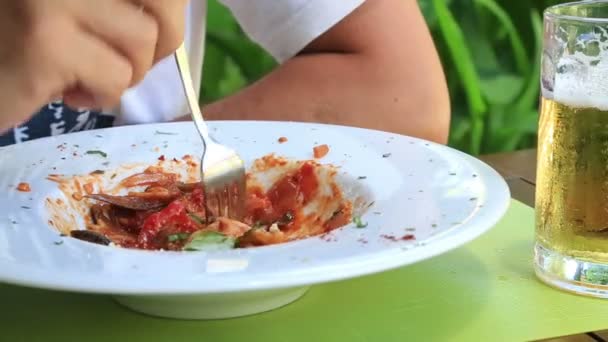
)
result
[(88, 51)]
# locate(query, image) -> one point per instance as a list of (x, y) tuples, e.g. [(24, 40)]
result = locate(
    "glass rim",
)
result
[(550, 12)]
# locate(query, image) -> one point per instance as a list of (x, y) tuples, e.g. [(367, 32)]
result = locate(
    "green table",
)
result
[(485, 291)]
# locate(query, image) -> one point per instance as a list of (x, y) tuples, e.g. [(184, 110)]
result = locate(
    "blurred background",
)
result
[(490, 50)]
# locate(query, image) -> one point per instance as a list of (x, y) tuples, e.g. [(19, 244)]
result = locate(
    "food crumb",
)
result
[(88, 188), (282, 140), (320, 151), (24, 187), (161, 158), (407, 237), (389, 237)]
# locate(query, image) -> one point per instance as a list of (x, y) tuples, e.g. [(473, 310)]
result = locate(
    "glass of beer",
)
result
[(571, 251)]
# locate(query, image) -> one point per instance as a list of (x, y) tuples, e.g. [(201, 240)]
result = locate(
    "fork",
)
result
[(222, 170)]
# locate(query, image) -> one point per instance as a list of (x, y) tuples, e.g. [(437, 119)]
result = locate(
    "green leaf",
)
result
[(197, 219), (461, 127), (209, 241), (502, 89), (517, 45), (219, 18), (235, 80), (214, 71), (529, 96), (177, 237), (250, 58), (463, 62)]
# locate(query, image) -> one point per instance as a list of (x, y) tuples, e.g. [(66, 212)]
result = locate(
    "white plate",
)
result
[(449, 198)]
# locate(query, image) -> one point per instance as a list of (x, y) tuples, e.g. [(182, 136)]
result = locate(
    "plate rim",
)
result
[(316, 274)]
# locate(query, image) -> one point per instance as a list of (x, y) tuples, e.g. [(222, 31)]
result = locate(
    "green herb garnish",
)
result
[(358, 223), (164, 133), (362, 177), (197, 219), (98, 172), (101, 153), (25, 207), (386, 155), (209, 241), (177, 237), (58, 243)]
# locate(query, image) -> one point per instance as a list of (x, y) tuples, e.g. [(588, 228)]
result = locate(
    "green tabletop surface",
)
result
[(485, 290)]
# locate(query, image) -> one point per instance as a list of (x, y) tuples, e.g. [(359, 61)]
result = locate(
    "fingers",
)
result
[(170, 16), (134, 35), (101, 72), (78, 98)]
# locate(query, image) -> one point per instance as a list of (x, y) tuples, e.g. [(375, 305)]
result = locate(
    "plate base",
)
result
[(212, 306)]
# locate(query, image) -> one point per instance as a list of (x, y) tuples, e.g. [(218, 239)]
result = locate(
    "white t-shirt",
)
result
[(282, 27)]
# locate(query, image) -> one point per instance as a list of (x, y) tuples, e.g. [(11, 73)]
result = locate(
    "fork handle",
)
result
[(181, 58)]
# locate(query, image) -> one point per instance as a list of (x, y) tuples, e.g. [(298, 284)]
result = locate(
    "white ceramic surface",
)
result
[(441, 196)]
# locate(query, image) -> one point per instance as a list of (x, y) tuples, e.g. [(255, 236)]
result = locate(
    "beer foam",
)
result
[(575, 78), (586, 87)]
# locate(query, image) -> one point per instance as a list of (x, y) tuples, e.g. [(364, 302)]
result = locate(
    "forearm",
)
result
[(346, 89)]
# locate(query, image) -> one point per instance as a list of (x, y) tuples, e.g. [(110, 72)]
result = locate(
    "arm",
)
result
[(377, 68)]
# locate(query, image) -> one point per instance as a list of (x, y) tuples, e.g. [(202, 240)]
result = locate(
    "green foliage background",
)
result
[(490, 50)]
